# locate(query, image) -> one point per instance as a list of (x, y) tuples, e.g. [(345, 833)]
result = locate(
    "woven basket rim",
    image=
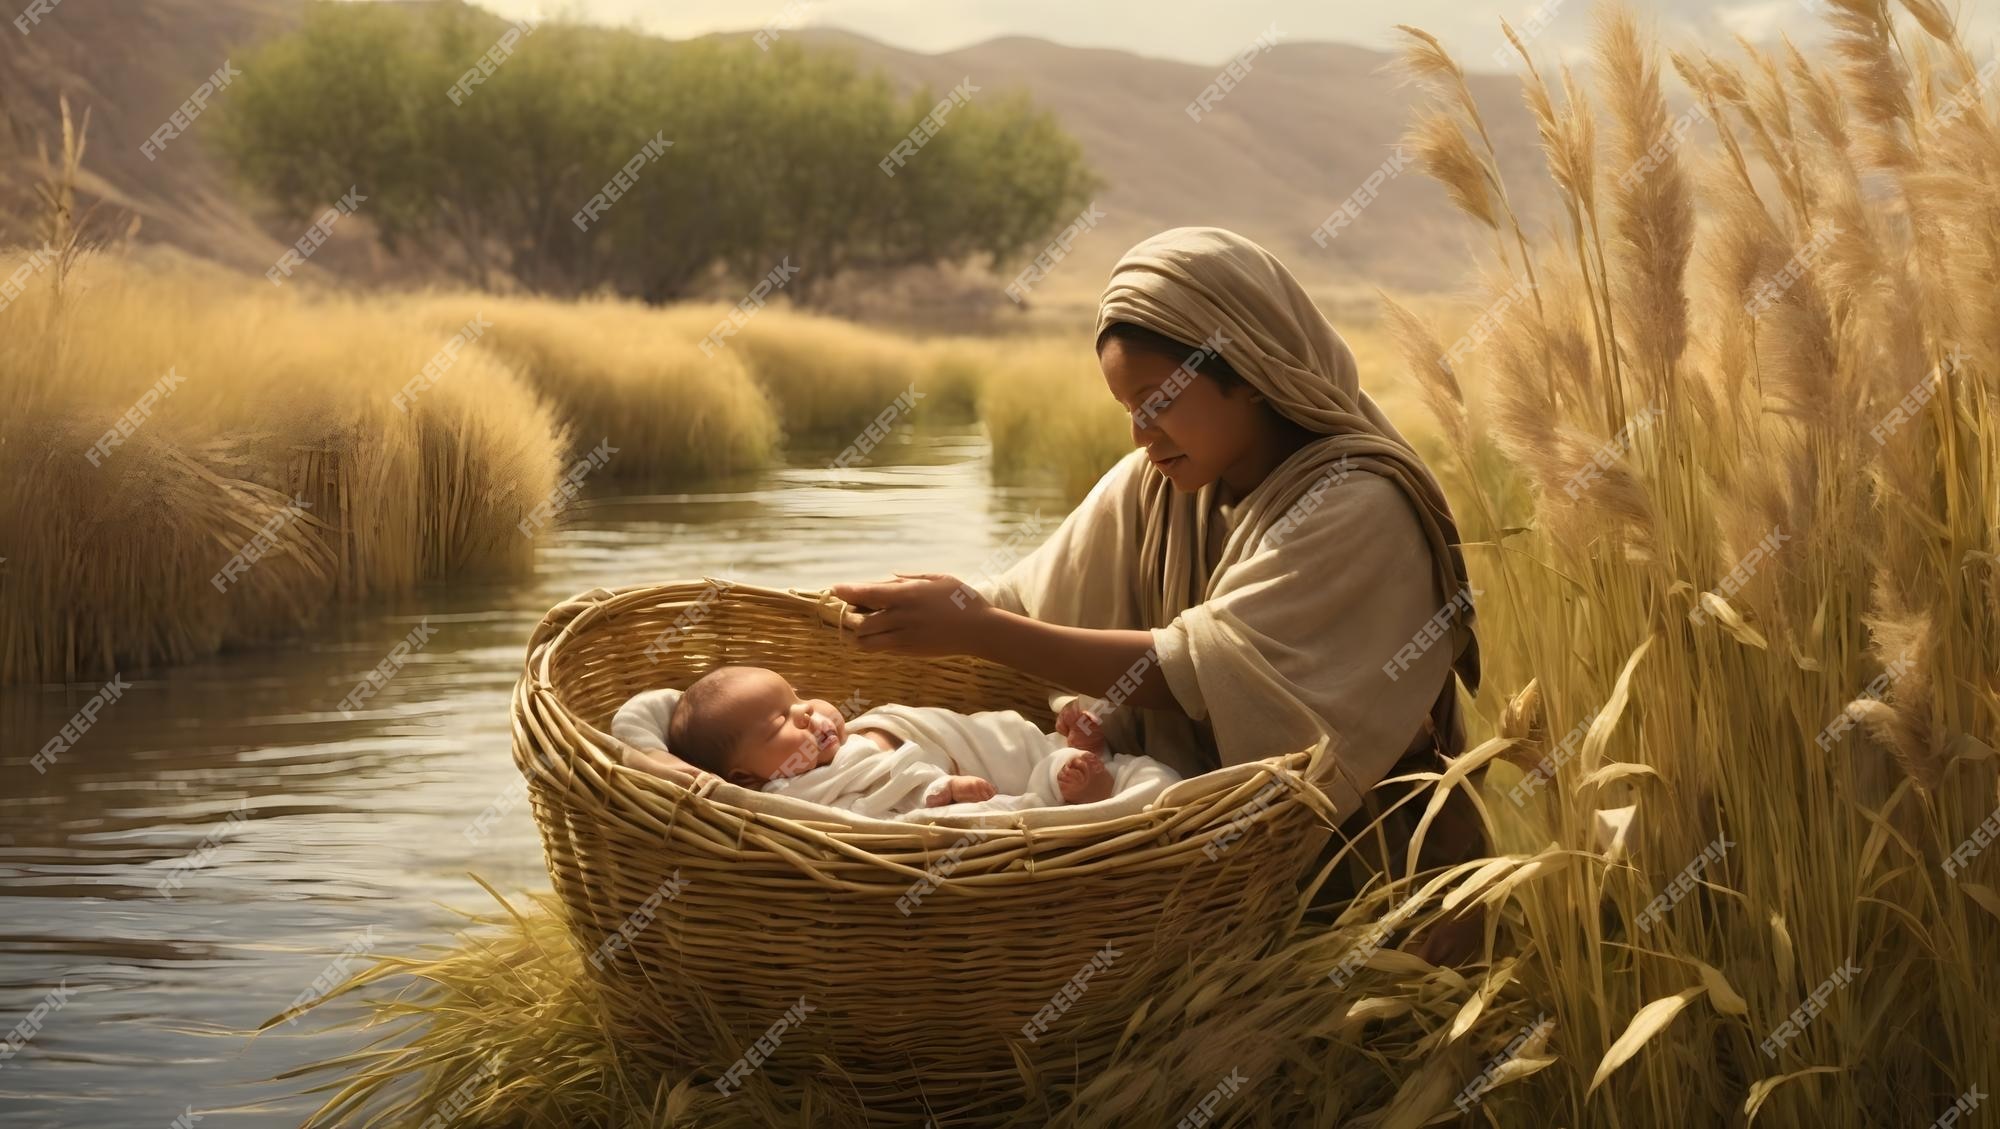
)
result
[(715, 797)]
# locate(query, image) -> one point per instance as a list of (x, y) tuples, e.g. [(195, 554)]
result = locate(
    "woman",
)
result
[(1272, 563)]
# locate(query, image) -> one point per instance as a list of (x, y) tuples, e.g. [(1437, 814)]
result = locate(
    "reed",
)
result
[(157, 427), (629, 374)]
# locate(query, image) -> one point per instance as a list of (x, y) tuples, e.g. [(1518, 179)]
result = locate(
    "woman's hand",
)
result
[(1081, 727), (917, 613)]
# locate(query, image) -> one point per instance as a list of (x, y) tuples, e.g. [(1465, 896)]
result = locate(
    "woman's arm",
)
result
[(1086, 660)]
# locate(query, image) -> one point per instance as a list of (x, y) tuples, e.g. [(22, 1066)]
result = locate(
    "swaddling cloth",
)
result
[(999, 746)]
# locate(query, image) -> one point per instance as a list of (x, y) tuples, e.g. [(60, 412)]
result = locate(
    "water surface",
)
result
[(287, 834)]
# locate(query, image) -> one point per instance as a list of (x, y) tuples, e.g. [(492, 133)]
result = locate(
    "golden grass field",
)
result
[(1738, 543)]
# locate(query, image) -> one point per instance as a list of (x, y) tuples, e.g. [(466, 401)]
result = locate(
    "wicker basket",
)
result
[(735, 904)]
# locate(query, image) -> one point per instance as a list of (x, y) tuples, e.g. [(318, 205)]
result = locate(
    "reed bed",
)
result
[(619, 371), (828, 378), (247, 417), (386, 441), (1724, 456)]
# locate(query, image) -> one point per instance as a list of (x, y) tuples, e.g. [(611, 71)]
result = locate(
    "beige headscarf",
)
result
[(1286, 633)]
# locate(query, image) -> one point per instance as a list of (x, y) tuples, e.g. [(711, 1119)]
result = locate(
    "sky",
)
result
[(1203, 31)]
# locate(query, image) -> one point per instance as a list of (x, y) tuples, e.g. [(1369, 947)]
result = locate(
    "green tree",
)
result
[(775, 155)]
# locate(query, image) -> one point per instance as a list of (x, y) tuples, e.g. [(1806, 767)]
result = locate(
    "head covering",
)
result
[(1210, 285)]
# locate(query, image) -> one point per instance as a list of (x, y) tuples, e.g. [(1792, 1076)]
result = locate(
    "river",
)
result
[(223, 834)]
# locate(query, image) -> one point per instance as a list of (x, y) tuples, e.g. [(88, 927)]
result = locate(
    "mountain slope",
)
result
[(1273, 159)]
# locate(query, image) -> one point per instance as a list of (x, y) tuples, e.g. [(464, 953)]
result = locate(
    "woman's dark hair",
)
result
[(1208, 362)]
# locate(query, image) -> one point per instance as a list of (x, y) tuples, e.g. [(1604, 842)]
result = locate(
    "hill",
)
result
[(1302, 130)]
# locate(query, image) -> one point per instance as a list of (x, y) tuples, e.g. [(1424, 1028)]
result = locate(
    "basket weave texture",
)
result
[(924, 954)]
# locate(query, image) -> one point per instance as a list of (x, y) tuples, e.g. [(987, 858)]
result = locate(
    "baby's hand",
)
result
[(963, 790), (1081, 728)]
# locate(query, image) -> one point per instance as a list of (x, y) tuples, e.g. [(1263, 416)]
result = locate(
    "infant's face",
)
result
[(781, 734)]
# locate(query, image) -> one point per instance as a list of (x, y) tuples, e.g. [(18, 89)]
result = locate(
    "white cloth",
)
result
[(1000, 746)]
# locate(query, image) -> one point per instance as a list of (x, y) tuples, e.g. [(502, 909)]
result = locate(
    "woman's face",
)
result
[(1194, 430)]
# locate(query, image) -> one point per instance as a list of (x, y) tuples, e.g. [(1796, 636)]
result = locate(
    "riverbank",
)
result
[(198, 462)]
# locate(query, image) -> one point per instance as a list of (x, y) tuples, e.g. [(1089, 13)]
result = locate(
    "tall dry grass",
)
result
[(619, 371), (272, 400), (304, 394), (1699, 848), (1772, 554)]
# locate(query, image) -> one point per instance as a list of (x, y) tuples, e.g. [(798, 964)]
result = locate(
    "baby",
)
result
[(749, 726)]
